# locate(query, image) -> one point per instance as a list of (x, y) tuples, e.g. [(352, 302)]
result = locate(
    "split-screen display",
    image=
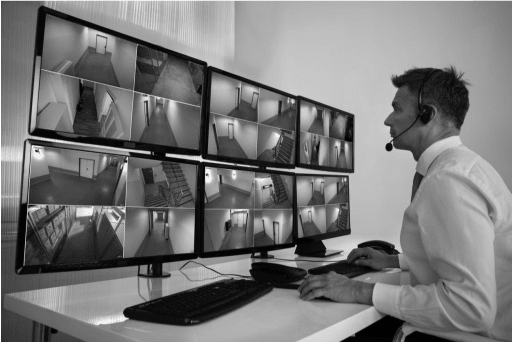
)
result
[(97, 85), (323, 206), (86, 207), (250, 123), (246, 209)]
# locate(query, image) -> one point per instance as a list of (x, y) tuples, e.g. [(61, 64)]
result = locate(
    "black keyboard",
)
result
[(199, 304), (342, 267)]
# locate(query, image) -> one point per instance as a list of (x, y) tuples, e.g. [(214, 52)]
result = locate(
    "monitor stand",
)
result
[(154, 271), (263, 255), (315, 249)]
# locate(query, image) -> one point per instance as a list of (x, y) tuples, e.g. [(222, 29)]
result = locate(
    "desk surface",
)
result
[(94, 311)]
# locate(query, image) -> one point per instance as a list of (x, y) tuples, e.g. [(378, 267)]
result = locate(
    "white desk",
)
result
[(94, 311)]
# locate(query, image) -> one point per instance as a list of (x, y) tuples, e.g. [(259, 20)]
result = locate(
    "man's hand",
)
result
[(368, 256), (336, 287)]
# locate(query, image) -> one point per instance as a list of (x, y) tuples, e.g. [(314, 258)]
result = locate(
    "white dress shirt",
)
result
[(457, 245)]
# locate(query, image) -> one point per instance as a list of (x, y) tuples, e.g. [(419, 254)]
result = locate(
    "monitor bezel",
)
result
[(297, 147), (116, 143), (234, 160), (20, 268), (303, 240), (248, 250)]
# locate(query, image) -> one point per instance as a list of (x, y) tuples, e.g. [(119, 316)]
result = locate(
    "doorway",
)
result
[(276, 233), (215, 135), (101, 44), (310, 216), (231, 133), (254, 101), (237, 100), (86, 168), (322, 188)]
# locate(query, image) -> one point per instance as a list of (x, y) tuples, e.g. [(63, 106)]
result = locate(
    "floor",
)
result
[(267, 156), (86, 120), (262, 239), (234, 239), (79, 245), (286, 120), (342, 161), (156, 242), (174, 82), (159, 131), (97, 67), (230, 148), (340, 197), (245, 112), (310, 229), (65, 189), (333, 227), (317, 127), (337, 129), (317, 198), (231, 199)]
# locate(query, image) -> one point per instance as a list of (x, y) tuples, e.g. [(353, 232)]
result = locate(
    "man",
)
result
[(456, 234)]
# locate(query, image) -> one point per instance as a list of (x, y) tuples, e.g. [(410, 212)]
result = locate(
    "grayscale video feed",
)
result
[(273, 191), (159, 231), (229, 189), (227, 229), (82, 52), (326, 137), (74, 177), (168, 76), (73, 105), (64, 234), (160, 121), (273, 227), (156, 183)]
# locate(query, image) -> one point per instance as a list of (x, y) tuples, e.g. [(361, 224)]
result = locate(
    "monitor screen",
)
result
[(86, 207), (94, 85), (326, 139), (246, 210), (249, 123), (323, 203)]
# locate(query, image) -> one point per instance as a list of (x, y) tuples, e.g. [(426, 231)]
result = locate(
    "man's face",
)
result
[(405, 111)]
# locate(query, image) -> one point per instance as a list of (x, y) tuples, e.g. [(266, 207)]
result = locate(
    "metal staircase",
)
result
[(178, 185), (283, 151)]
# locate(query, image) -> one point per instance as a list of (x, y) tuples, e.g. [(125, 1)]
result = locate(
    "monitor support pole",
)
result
[(154, 271)]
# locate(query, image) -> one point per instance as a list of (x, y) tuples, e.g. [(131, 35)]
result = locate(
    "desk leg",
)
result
[(40, 332)]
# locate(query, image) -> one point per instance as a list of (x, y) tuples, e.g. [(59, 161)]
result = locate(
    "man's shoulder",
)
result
[(458, 158)]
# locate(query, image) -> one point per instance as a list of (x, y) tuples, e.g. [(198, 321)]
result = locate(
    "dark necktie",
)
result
[(416, 184)]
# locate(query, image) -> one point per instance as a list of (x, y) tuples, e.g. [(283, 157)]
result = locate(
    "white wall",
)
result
[(223, 94), (364, 43), (185, 121), (246, 133), (137, 227), (63, 41), (268, 105), (243, 179), (181, 230), (267, 138), (212, 188)]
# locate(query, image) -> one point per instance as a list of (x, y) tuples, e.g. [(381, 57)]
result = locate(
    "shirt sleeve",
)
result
[(402, 262), (458, 238)]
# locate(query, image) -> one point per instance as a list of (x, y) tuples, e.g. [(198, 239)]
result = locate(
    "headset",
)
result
[(425, 113)]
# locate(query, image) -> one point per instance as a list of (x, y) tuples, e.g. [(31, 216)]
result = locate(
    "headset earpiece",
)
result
[(426, 114)]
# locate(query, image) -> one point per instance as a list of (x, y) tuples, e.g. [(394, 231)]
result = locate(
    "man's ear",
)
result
[(427, 113)]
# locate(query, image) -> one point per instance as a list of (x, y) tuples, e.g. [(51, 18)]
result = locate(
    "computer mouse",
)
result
[(276, 273)]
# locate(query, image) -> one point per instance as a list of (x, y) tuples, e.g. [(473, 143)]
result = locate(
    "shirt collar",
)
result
[(433, 151)]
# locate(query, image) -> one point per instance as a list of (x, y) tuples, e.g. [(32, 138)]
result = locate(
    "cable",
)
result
[(307, 260), (211, 269)]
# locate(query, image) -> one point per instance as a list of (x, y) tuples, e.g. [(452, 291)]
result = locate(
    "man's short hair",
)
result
[(444, 89)]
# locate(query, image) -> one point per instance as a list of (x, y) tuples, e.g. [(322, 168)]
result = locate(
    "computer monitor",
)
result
[(248, 122), (326, 140), (246, 210), (323, 212), (85, 207), (98, 86)]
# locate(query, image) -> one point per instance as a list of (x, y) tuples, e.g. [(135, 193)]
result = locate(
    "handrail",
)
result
[(167, 195)]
